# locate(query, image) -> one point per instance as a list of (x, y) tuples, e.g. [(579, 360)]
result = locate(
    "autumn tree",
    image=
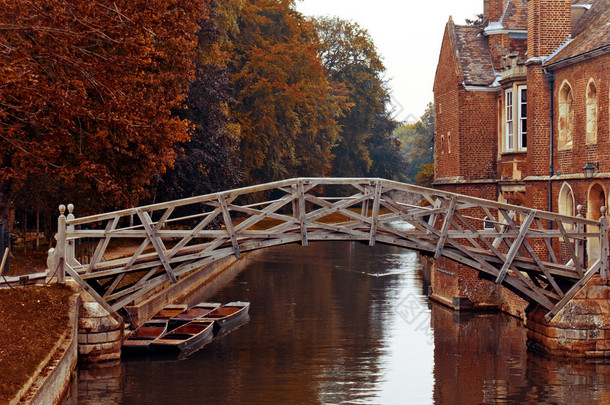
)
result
[(208, 161), (365, 146), (88, 90), (281, 97)]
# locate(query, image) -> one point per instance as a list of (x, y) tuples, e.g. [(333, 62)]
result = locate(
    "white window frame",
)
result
[(522, 111), (509, 123)]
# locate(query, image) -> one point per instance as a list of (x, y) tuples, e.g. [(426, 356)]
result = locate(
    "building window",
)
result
[(510, 129), (488, 224), (566, 202), (566, 116), (522, 117), (449, 142), (515, 119), (591, 112)]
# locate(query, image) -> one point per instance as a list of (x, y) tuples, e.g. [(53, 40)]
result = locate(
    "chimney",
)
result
[(493, 10), (549, 24)]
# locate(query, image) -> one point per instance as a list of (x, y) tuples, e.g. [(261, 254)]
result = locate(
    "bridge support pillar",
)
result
[(462, 289), (580, 329)]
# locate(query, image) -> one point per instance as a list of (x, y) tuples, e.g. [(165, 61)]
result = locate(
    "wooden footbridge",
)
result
[(542, 256)]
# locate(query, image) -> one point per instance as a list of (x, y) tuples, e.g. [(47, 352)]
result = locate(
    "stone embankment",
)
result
[(580, 329)]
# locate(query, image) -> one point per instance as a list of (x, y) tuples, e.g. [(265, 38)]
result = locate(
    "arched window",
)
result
[(591, 112), (566, 204), (596, 199), (566, 200), (566, 116)]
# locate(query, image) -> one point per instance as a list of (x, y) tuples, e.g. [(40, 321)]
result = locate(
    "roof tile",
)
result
[(592, 32), (474, 56)]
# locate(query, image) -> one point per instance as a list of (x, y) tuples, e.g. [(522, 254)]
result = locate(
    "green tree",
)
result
[(418, 142), (352, 63)]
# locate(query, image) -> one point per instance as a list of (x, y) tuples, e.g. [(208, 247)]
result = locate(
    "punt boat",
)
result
[(185, 339), (139, 340), (197, 311), (228, 314), (170, 311)]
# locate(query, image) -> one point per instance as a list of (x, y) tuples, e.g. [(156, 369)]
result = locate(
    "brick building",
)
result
[(522, 107)]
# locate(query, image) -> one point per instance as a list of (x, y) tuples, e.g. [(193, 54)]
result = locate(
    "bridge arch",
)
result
[(167, 241)]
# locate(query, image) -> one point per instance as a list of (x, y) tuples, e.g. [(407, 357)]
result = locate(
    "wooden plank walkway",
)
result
[(513, 245)]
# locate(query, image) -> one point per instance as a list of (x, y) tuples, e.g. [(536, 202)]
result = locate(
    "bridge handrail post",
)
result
[(70, 244), (580, 244), (603, 245), (61, 245)]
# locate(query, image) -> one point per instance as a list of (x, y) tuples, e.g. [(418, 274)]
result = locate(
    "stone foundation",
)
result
[(461, 288), (100, 336), (580, 329)]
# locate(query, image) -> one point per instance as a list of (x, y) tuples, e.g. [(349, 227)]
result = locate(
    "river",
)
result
[(344, 323)]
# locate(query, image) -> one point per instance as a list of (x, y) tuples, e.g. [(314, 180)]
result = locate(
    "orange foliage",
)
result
[(87, 90)]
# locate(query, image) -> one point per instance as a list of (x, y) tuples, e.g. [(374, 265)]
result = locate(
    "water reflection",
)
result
[(345, 323)]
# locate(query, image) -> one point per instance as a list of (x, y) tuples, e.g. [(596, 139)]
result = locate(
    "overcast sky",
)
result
[(408, 35)]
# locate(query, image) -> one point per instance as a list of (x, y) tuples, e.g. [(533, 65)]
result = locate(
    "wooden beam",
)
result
[(229, 225), (514, 249), (302, 213), (603, 248), (445, 229), (570, 249), (92, 292), (157, 243), (375, 213), (573, 291), (102, 244)]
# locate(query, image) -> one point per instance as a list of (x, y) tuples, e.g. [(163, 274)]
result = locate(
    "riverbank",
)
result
[(34, 319)]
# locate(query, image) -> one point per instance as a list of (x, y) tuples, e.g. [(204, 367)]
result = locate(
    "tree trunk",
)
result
[(37, 229), (25, 232), (5, 203)]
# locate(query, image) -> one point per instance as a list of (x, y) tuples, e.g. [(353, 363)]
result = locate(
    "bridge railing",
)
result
[(139, 250)]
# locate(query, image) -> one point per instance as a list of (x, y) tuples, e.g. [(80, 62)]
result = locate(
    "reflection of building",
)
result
[(522, 108)]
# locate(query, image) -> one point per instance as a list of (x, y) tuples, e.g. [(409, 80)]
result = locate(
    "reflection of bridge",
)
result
[(166, 241)]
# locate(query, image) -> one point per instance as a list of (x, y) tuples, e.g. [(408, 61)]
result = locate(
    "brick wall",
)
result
[(493, 9), (538, 124), (446, 101), (578, 76), (478, 126), (549, 23)]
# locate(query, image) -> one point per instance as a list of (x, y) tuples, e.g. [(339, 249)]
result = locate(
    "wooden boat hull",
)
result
[(228, 314), (197, 311), (185, 339), (140, 339), (170, 311)]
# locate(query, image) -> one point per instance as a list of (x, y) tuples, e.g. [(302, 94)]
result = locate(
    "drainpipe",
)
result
[(550, 77)]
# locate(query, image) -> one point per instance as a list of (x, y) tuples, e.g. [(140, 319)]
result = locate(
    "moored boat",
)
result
[(185, 339), (228, 314), (170, 311), (139, 340), (197, 311)]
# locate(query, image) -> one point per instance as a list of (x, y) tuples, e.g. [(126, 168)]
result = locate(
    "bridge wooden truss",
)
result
[(540, 255)]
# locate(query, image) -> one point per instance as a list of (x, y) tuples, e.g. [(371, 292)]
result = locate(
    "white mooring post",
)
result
[(603, 244), (61, 245)]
